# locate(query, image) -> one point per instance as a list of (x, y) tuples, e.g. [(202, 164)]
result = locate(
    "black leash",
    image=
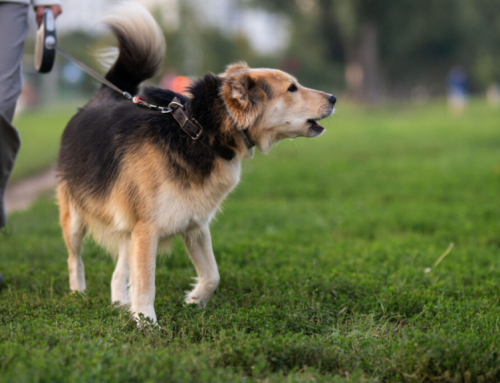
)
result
[(92, 72)]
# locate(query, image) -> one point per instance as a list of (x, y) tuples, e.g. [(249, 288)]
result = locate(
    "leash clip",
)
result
[(139, 100)]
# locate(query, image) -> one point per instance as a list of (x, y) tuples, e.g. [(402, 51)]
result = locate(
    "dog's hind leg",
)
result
[(120, 275), (199, 246), (74, 231), (143, 249)]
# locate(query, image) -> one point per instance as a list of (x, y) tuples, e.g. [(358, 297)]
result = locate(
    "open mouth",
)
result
[(315, 129)]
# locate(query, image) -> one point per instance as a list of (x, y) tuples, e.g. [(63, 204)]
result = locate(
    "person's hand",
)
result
[(56, 10)]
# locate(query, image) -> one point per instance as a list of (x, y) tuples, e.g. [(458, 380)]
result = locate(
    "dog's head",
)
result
[(272, 105)]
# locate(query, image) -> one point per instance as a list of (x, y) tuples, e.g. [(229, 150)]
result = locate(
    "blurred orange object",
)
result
[(180, 84)]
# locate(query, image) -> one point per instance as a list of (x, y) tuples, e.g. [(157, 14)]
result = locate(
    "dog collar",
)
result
[(194, 130), (246, 138)]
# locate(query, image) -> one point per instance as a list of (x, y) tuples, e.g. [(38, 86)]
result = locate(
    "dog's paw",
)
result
[(202, 291), (144, 317), (144, 323), (192, 299), (120, 301)]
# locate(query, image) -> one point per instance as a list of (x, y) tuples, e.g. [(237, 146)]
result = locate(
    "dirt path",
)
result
[(22, 194)]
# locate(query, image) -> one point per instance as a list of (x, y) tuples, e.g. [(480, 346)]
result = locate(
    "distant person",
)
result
[(457, 89), (13, 31)]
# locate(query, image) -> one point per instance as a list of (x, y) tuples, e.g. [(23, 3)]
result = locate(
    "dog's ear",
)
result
[(244, 98), (234, 67)]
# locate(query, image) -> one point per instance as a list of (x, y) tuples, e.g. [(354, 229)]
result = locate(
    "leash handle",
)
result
[(46, 38)]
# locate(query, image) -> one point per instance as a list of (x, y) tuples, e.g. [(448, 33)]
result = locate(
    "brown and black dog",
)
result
[(133, 178)]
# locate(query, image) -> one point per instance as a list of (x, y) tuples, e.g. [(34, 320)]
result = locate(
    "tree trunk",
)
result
[(362, 71)]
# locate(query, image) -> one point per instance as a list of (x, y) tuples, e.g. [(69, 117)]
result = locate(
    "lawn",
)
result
[(40, 133), (327, 253)]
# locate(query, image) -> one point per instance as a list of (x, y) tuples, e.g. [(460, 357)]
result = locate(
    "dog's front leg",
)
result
[(199, 246), (143, 249)]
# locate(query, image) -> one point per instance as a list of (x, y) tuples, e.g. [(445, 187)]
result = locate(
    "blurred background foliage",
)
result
[(370, 50), (395, 44)]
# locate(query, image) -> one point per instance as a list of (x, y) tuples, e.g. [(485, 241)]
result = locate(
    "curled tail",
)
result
[(141, 45)]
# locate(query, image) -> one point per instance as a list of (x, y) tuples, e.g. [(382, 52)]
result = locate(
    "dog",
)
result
[(136, 176)]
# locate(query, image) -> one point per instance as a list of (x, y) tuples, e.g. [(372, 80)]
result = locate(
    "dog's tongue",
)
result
[(314, 122), (317, 124)]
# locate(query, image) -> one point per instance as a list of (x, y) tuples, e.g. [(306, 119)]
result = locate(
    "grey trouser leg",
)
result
[(9, 146), (13, 30)]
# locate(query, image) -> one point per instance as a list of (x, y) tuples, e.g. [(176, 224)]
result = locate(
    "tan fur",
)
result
[(244, 101), (74, 230), (283, 116), (147, 205), (158, 210), (234, 67)]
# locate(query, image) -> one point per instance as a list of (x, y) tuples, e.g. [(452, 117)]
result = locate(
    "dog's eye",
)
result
[(293, 88)]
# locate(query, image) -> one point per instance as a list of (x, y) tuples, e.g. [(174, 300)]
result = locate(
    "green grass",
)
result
[(322, 252), (40, 134)]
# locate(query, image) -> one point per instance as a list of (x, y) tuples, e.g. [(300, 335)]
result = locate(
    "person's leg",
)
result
[(13, 30), (9, 146)]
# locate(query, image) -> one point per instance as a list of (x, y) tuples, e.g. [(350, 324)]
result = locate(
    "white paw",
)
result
[(202, 292), (119, 299), (145, 323), (145, 318), (77, 290), (77, 284), (192, 298)]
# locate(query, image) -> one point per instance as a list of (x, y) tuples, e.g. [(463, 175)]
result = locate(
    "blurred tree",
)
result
[(389, 46), (196, 48), (371, 48)]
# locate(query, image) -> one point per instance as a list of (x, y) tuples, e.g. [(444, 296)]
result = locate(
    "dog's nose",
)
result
[(332, 99)]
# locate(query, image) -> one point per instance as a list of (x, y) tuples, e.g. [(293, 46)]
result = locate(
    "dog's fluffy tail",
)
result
[(141, 45)]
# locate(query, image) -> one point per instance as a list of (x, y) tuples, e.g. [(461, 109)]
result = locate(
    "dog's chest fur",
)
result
[(177, 210)]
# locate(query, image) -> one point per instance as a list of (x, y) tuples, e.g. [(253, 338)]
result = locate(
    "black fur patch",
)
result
[(262, 84), (98, 137), (134, 65)]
